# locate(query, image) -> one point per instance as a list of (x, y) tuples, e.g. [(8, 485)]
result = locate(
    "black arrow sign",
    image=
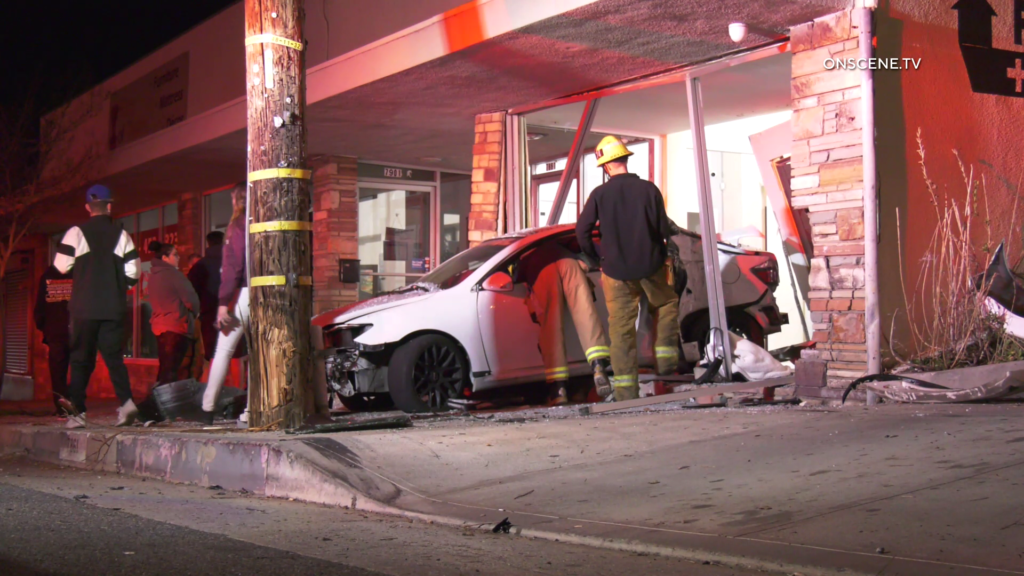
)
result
[(991, 71)]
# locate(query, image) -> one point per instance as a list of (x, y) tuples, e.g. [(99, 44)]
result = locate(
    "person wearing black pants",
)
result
[(52, 319), (105, 263)]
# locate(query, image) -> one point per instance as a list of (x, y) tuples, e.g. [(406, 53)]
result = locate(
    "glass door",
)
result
[(395, 235), (544, 190)]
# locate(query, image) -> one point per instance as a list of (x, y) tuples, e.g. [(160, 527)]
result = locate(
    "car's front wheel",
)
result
[(425, 372)]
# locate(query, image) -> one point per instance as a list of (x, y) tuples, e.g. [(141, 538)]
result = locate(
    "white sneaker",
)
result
[(75, 421), (126, 414)]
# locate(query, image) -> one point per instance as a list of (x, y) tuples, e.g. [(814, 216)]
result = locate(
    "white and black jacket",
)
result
[(105, 264)]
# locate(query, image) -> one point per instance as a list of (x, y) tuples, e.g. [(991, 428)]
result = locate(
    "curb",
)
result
[(323, 471)]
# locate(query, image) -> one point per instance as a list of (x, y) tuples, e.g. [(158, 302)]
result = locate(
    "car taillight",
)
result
[(768, 272)]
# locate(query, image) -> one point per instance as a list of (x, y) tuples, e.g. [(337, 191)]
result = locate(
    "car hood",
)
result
[(379, 304)]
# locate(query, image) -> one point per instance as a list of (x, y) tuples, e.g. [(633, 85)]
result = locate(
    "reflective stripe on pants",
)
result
[(623, 300), (560, 284)]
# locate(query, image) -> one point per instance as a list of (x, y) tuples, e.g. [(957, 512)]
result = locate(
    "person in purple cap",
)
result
[(105, 264)]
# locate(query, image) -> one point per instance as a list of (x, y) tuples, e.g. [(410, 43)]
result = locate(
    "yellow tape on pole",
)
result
[(271, 39), (280, 226), (280, 173), (278, 281)]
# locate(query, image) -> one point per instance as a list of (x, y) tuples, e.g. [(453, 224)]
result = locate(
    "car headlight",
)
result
[(343, 335)]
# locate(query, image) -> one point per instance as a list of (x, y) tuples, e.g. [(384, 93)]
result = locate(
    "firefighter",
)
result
[(636, 236), (557, 279)]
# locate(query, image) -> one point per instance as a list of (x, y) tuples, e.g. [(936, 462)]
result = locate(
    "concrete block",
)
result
[(803, 182), (843, 172), (831, 29), (807, 123), (836, 205), (822, 217), (822, 82), (809, 61), (846, 277), (810, 373), (850, 223), (848, 327), (849, 115), (839, 249), (819, 275), (801, 37)]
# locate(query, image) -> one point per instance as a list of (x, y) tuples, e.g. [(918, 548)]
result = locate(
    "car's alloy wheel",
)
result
[(425, 372)]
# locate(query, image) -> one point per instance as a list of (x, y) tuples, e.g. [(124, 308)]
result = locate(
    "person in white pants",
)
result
[(233, 313)]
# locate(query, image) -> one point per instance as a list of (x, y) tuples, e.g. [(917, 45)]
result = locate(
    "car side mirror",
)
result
[(498, 282)]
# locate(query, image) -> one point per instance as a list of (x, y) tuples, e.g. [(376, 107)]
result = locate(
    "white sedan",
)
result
[(464, 327)]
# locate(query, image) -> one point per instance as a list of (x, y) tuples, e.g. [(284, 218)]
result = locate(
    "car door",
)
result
[(511, 339)]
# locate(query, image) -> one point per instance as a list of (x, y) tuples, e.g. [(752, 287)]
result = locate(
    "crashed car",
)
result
[(465, 328)]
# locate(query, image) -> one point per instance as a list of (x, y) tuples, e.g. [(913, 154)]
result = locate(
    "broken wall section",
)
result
[(827, 181)]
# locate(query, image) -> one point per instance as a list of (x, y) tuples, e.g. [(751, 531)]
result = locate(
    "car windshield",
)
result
[(460, 267)]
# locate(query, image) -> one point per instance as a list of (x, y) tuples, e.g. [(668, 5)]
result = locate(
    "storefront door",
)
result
[(395, 235)]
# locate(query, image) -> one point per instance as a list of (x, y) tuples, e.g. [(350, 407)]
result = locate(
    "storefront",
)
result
[(409, 220)]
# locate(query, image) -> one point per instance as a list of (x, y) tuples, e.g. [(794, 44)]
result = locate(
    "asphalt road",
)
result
[(184, 530), (46, 535)]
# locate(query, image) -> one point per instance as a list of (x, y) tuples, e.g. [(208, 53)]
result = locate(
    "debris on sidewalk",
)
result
[(684, 396), (504, 527), (355, 423), (915, 389)]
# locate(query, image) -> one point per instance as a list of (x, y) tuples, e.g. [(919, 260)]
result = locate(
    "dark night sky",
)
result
[(57, 49)]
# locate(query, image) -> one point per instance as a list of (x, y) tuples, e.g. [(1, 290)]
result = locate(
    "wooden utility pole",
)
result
[(280, 265)]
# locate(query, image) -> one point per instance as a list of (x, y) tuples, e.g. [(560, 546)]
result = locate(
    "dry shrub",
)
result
[(950, 323)]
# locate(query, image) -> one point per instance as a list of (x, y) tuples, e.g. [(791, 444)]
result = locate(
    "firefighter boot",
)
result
[(602, 384)]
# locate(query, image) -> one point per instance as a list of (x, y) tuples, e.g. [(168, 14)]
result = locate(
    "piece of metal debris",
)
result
[(905, 388), (524, 495), (357, 423)]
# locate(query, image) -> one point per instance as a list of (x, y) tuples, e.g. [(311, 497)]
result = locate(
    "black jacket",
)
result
[(105, 264), (205, 278), (634, 227), (51, 311)]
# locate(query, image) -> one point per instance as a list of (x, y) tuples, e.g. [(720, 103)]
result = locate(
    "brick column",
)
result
[(827, 180), (191, 236), (335, 230), (487, 174)]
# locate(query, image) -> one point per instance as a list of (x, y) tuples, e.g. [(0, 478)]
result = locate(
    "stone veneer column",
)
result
[(335, 230), (486, 180), (827, 180)]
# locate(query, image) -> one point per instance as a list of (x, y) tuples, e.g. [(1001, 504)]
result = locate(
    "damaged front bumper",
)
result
[(348, 368)]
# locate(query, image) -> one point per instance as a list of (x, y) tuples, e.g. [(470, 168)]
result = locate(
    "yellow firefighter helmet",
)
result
[(610, 148)]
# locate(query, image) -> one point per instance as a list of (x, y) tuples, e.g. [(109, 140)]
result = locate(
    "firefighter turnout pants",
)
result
[(623, 300), (563, 283)]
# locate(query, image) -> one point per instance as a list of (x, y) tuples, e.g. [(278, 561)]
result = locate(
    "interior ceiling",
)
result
[(428, 111)]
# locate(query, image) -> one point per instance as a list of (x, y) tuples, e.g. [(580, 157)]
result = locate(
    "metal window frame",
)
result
[(690, 74)]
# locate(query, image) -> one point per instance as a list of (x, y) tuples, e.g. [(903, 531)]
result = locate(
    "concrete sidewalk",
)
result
[(790, 490)]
